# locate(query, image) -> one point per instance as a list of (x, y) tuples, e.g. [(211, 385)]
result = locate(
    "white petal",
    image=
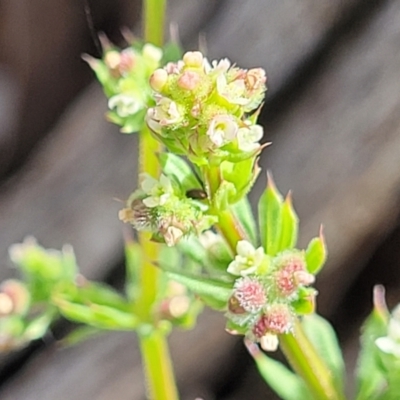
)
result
[(245, 248)]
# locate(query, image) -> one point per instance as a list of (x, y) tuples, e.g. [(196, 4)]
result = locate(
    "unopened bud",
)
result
[(158, 79), (14, 297), (277, 320), (269, 342), (189, 80), (250, 294), (112, 59), (193, 59)]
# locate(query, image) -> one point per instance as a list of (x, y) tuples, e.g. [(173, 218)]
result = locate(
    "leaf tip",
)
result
[(252, 348), (379, 299)]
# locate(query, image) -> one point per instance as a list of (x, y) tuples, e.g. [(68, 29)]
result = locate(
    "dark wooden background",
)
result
[(332, 113)]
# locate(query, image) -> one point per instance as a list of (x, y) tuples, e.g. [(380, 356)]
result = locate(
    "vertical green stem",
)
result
[(306, 362), (154, 20), (158, 369)]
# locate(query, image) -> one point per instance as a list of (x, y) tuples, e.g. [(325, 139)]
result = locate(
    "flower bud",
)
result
[(250, 294), (269, 342), (158, 79), (276, 320), (291, 273), (193, 59), (14, 297), (189, 80)]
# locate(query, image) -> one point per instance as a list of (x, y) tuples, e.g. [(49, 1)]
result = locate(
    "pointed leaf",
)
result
[(316, 254), (209, 288), (242, 211), (79, 335), (323, 337), (284, 382), (270, 218), (176, 167), (290, 226)]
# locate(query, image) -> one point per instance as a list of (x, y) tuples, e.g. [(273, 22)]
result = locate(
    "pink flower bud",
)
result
[(277, 320), (189, 80), (193, 59), (250, 294), (158, 79), (291, 273)]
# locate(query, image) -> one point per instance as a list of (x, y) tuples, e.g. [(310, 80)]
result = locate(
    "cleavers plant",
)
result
[(198, 241)]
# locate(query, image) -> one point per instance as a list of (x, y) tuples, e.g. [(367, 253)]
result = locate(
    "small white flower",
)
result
[(125, 105), (166, 112), (159, 191), (248, 137), (247, 260), (222, 130), (234, 92), (221, 66)]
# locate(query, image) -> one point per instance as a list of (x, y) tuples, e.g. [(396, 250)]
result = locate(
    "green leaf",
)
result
[(242, 211), (209, 289), (369, 373), (95, 304), (241, 175), (39, 326), (323, 337), (316, 254), (79, 335), (172, 52), (305, 302), (284, 382), (176, 167), (290, 225), (98, 316), (270, 218)]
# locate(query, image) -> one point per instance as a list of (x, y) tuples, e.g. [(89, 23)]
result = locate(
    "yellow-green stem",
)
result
[(157, 363), (157, 366), (307, 363), (154, 20)]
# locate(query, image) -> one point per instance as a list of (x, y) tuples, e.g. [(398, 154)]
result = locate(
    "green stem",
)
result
[(154, 19), (157, 363), (157, 366), (307, 363)]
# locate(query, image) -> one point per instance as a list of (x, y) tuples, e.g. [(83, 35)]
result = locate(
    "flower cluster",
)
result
[(125, 75), (160, 207), (206, 111), (263, 302)]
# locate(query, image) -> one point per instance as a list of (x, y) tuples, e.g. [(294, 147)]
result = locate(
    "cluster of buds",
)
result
[(263, 302), (207, 111), (160, 207), (124, 76)]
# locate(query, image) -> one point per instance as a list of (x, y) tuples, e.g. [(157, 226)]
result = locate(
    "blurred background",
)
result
[(332, 113)]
